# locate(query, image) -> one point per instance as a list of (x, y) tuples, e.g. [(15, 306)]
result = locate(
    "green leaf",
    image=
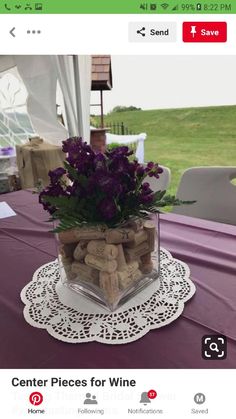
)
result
[(71, 170), (159, 195), (75, 175), (83, 180), (68, 203)]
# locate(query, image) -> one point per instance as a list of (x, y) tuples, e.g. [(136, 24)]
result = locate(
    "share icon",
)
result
[(142, 31)]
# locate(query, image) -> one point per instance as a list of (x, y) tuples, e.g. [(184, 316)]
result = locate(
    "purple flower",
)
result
[(145, 187), (79, 154), (153, 170), (159, 170), (146, 198), (122, 151), (102, 187), (67, 144), (56, 174), (106, 182), (140, 171), (150, 165), (51, 191), (120, 164), (6, 151), (99, 161), (149, 169), (132, 168), (107, 208), (131, 184)]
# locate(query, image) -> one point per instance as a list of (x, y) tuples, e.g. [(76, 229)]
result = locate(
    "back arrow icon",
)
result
[(12, 32)]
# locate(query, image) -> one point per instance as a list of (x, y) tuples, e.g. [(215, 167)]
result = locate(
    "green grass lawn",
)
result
[(182, 138)]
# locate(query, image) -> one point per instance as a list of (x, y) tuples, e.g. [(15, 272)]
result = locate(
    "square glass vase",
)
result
[(110, 265)]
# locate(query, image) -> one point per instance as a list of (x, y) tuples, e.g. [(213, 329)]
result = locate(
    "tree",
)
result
[(125, 109)]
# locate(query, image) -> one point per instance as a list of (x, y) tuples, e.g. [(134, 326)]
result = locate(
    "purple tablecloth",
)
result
[(208, 248)]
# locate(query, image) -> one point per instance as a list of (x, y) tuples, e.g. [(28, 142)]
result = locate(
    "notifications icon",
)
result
[(147, 396), (36, 398), (152, 394)]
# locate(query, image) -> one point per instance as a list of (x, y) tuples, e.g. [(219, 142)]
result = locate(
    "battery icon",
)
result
[(199, 6)]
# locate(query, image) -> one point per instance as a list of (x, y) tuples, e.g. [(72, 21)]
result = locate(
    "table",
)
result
[(208, 248)]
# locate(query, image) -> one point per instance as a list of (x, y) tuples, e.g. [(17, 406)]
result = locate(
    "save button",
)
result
[(204, 31)]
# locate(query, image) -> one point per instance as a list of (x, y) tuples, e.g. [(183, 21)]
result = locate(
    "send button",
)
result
[(152, 32)]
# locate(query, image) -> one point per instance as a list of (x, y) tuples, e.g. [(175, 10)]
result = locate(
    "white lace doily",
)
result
[(72, 318)]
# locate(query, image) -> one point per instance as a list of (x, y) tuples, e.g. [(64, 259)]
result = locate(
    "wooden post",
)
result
[(98, 139), (102, 115), (122, 128)]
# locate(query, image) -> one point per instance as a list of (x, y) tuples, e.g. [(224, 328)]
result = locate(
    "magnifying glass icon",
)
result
[(214, 347)]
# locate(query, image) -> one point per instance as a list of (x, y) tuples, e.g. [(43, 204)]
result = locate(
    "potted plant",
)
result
[(107, 221)]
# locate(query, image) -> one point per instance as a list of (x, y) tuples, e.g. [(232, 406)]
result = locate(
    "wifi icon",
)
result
[(164, 6)]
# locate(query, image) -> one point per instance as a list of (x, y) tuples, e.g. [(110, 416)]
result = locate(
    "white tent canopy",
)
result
[(40, 75)]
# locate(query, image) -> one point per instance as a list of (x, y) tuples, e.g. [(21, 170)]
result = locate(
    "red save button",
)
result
[(204, 31)]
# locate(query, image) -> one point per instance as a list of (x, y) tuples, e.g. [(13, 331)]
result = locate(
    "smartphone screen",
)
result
[(117, 209)]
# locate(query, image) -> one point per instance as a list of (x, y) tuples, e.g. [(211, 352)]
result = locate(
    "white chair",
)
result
[(162, 183), (211, 187)]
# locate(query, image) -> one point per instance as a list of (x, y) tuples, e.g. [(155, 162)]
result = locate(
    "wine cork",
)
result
[(66, 260), (67, 264), (109, 283), (92, 233), (70, 276), (81, 250), (147, 268), (119, 235), (146, 259), (75, 234), (85, 271), (146, 264), (130, 257), (139, 237), (150, 229), (67, 236), (130, 269), (129, 280), (102, 249), (66, 250), (137, 251), (136, 275), (136, 224), (125, 282), (101, 264), (121, 261)]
